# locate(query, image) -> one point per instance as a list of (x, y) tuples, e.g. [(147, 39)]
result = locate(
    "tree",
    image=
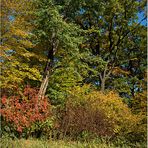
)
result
[(15, 44), (109, 26), (53, 36)]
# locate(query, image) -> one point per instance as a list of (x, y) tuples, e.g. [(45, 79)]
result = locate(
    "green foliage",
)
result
[(112, 32), (51, 30)]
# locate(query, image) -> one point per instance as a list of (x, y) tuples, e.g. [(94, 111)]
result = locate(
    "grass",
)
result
[(36, 143)]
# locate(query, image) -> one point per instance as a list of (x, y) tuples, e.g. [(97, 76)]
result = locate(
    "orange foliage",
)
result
[(21, 113)]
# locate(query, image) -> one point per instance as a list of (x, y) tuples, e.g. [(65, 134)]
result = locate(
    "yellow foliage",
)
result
[(118, 70), (117, 113), (19, 32), (15, 64)]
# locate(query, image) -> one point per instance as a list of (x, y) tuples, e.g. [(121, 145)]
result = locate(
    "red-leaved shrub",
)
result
[(22, 112)]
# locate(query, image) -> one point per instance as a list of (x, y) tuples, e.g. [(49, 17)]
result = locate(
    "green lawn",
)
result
[(34, 143)]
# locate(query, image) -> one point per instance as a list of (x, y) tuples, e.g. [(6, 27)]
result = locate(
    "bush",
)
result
[(98, 114), (24, 115)]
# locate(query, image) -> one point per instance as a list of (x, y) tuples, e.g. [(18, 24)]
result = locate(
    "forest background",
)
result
[(74, 69)]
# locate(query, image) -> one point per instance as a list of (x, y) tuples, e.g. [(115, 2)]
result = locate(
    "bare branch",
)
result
[(110, 34), (111, 69), (105, 70), (100, 76)]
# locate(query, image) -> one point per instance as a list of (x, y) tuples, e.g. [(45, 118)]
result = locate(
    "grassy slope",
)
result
[(22, 143)]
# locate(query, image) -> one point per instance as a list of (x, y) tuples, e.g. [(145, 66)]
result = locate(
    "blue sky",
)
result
[(140, 17)]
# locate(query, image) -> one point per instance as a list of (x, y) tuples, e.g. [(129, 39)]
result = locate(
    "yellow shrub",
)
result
[(115, 112)]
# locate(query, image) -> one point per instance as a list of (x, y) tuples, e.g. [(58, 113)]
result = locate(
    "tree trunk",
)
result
[(104, 76), (43, 86), (48, 68), (46, 75), (103, 84)]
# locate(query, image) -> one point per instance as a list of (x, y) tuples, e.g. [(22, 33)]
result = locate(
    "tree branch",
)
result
[(110, 34), (124, 35)]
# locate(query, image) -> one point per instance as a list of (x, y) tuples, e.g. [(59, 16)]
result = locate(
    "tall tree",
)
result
[(15, 44), (112, 31), (53, 35)]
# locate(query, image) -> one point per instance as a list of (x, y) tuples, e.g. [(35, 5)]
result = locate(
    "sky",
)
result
[(140, 17)]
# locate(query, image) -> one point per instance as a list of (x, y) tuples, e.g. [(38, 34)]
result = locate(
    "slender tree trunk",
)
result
[(48, 68), (103, 84), (43, 86), (104, 76), (47, 73)]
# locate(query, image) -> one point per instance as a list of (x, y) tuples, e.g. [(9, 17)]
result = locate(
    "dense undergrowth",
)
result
[(87, 115)]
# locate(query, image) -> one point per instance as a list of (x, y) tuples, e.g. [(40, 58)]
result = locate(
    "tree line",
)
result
[(59, 46)]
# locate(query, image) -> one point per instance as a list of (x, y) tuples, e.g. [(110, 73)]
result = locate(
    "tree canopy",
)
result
[(74, 52)]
